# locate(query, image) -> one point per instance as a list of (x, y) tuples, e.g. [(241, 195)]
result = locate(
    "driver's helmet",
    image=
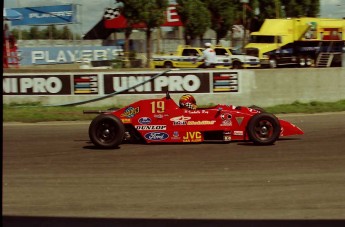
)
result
[(188, 101)]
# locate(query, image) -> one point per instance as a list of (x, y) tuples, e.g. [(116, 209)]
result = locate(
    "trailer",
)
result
[(304, 42)]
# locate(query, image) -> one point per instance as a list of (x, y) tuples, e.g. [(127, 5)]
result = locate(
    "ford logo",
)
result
[(156, 136), (144, 120)]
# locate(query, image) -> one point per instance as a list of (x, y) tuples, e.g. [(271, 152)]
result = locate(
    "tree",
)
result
[(222, 16), (313, 9), (130, 10), (15, 33), (34, 33), (301, 8), (66, 33), (153, 17), (51, 32), (148, 12), (195, 17), (253, 22), (267, 9)]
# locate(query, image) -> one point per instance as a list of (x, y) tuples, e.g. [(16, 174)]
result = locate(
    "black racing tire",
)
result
[(263, 129), (168, 65), (106, 131)]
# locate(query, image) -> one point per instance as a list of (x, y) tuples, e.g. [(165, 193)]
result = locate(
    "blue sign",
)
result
[(46, 15), (66, 54)]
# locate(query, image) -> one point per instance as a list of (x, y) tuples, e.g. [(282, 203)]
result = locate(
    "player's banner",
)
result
[(47, 15)]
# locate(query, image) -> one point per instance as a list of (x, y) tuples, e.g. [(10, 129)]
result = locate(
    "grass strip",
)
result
[(35, 112)]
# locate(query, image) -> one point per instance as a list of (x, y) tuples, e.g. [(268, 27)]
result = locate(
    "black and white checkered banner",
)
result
[(111, 13)]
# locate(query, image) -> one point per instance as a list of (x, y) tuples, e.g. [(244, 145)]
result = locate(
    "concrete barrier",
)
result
[(262, 87)]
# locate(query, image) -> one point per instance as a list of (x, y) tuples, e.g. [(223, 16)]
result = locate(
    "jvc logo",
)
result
[(192, 137)]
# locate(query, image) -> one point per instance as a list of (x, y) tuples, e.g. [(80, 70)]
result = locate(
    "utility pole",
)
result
[(244, 2), (20, 30), (277, 6)]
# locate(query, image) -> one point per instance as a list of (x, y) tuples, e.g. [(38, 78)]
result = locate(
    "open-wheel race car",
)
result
[(164, 121)]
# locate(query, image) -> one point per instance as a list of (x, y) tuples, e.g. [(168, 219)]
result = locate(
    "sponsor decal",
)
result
[(196, 111), (226, 119), (201, 122), (227, 138), (144, 120), (130, 112), (126, 120), (156, 136), (179, 123), (282, 131), (85, 84), (176, 136), (238, 133), (151, 127), (180, 120), (253, 110), (192, 137), (226, 116), (225, 82), (239, 120), (160, 116)]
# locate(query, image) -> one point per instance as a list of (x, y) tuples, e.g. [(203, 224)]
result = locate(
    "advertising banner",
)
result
[(66, 54), (46, 15), (93, 84), (37, 85), (196, 82), (114, 19)]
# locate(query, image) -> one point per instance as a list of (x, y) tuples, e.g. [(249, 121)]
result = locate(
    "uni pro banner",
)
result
[(46, 15)]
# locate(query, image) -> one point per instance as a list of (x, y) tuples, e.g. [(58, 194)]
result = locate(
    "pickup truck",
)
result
[(186, 57), (238, 61)]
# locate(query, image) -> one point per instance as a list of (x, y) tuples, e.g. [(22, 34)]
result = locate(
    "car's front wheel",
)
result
[(263, 129), (106, 131), (273, 63)]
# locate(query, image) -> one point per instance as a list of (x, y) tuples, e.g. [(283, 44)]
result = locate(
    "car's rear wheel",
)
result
[(168, 65), (263, 129), (106, 131), (236, 65)]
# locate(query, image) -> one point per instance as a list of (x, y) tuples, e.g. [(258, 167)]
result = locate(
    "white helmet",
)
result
[(208, 44)]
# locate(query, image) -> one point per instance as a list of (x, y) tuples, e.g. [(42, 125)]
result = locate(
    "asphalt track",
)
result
[(52, 170)]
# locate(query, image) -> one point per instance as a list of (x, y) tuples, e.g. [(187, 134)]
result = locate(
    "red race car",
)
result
[(163, 121)]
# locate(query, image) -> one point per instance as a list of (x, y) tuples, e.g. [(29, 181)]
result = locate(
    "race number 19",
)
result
[(157, 107)]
